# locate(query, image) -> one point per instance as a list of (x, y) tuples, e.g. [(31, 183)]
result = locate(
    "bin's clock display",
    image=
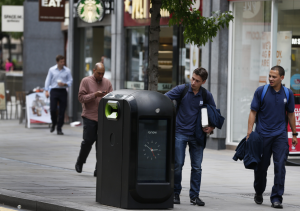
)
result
[(152, 145), (152, 150)]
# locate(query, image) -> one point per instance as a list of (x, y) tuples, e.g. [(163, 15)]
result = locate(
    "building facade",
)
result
[(263, 33)]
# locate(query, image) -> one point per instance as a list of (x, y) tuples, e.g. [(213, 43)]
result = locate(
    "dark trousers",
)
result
[(58, 95), (278, 146), (90, 134)]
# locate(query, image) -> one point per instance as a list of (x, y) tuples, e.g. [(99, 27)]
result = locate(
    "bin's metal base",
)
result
[(133, 204)]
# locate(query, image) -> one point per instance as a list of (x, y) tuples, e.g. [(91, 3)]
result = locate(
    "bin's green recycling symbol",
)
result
[(90, 11)]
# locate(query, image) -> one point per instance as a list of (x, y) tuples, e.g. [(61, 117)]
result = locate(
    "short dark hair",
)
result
[(201, 72), (59, 57), (279, 69)]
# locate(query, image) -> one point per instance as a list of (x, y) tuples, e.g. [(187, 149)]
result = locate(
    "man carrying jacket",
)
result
[(272, 126), (185, 133)]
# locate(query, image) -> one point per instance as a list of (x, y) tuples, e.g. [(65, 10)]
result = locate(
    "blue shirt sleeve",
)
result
[(69, 78), (255, 104), (175, 93), (291, 103), (48, 80)]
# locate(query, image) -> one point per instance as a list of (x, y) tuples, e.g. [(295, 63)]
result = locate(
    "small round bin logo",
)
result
[(90, 11)]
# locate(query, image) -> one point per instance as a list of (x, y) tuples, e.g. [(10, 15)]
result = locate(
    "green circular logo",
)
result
[(90, 11)]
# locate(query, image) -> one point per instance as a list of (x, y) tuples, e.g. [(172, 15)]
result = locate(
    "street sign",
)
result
[(52, 10), (38, 109), (12, 18)]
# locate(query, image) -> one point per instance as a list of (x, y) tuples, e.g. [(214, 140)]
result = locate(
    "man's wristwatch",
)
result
[(295, 134)]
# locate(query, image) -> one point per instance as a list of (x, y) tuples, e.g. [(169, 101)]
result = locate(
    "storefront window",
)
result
[(106, 58), (288, 43), (88, 51), (96, 48), (192, 60), (136, 57), (165, 59), (250, 59)]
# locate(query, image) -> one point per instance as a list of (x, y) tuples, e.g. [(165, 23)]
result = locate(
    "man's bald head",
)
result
[(99, 71), (99, 65)]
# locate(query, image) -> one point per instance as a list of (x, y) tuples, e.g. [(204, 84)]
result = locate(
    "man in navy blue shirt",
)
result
[(186, 119), (271, 124)]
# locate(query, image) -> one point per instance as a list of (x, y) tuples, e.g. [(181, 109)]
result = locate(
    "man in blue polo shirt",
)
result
[(272, 126), (185, 133)]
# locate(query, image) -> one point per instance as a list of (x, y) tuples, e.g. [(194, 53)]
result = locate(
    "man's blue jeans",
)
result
[(196, 155)]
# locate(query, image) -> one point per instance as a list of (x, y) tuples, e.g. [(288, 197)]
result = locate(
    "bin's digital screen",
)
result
[(152, 150)]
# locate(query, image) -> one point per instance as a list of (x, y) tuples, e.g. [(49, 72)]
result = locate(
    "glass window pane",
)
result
[(165, 58), (250, 59), (136, 59), (106, 58), (288, 43)]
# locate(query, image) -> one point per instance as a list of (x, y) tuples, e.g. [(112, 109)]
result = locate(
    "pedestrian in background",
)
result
[(9, 66), (186, 118), (59, 78), (271, 125), (91, 91)]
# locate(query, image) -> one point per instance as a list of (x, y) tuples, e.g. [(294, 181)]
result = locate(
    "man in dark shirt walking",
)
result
[(272, 126), (91, 91), (186, 119)]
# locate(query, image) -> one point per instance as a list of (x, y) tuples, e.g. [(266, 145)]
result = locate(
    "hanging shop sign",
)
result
[(136, 13), (12, 18), (90, 11), (52, 10)]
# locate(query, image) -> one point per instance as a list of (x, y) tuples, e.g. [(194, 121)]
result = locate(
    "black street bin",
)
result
[(136, 136)]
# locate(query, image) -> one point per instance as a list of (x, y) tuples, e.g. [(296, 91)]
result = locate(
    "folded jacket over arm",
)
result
[(215, 119), (250, 151)]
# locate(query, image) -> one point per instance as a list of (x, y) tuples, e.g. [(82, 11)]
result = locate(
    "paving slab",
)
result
[(37, 171)]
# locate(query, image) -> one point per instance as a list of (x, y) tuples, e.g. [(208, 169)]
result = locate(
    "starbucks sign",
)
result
[(90, 11)]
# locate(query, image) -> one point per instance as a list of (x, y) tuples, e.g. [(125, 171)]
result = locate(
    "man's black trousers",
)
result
[(61, 96), (90, 128)]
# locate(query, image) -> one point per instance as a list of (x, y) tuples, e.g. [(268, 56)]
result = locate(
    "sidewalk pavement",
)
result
[(37, 172)]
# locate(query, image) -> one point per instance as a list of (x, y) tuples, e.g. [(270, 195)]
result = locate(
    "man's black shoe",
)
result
[(176, 199), (277, 205), (258, 199), (60, 132), (52, 128), (78, 167), (197, 201), (95, 173)]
